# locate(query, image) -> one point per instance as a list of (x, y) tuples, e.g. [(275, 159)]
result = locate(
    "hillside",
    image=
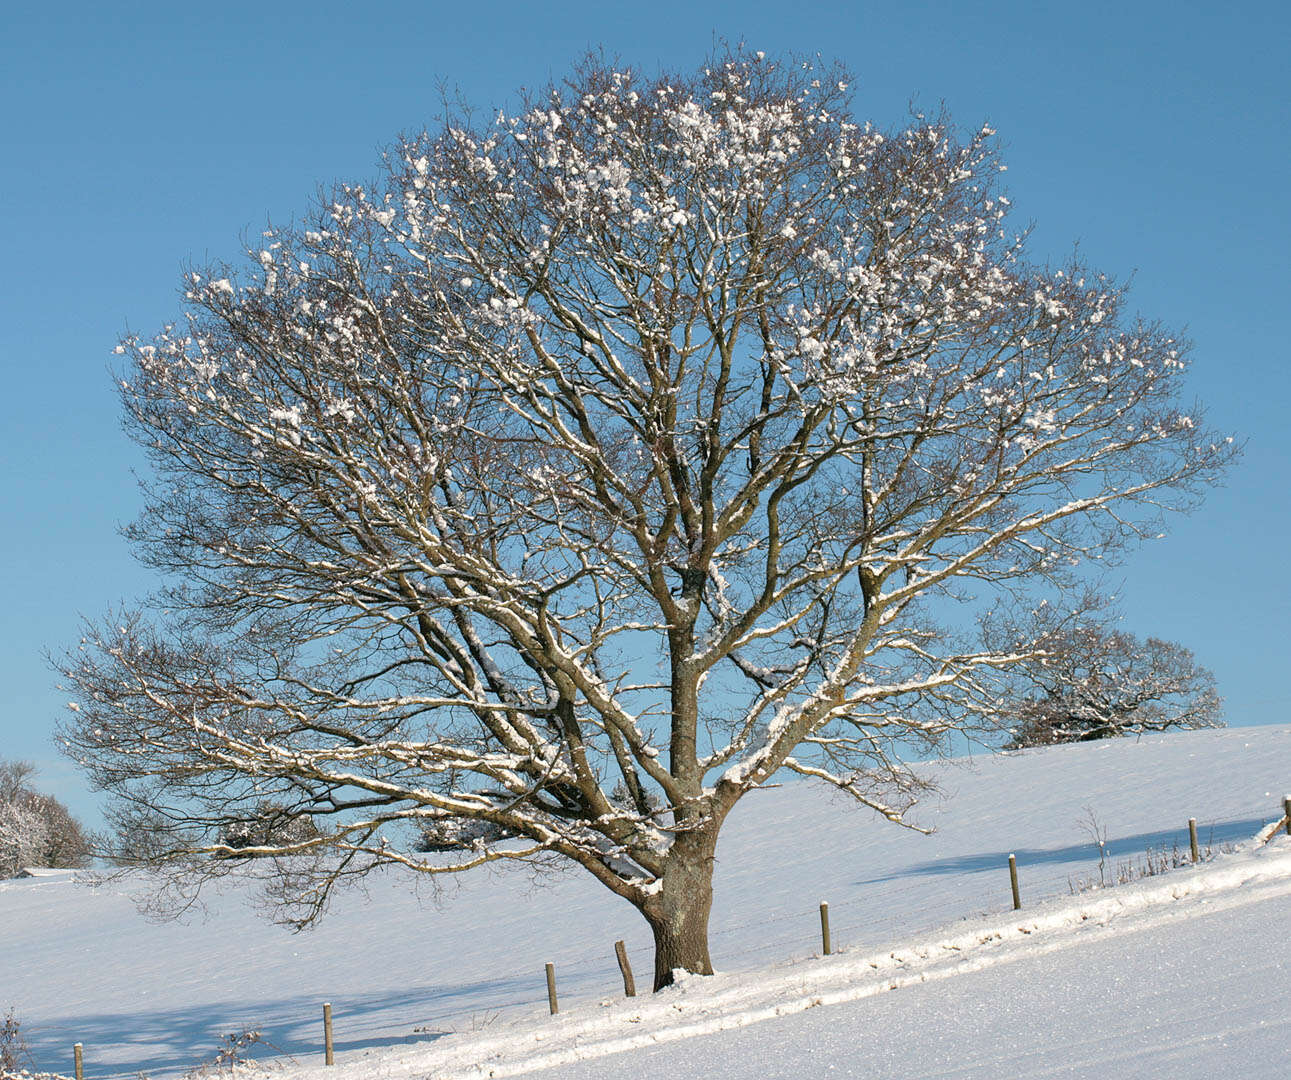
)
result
[(420, 983)]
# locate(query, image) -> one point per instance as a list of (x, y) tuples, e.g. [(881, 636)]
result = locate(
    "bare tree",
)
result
[(23, 836), (627, 442), (1096, 683), (35, 829)]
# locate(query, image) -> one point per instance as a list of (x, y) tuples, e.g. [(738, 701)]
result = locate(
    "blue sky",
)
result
[(138, 136)]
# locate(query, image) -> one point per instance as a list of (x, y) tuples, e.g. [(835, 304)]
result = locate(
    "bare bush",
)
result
[(13, 1047), (233, 1053), (1153, 862)]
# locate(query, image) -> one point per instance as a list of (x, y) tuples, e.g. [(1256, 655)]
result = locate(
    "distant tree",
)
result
[(36, 830), (623, 444), (1094, 683), (23, 835), (270, 824), (456, 834)]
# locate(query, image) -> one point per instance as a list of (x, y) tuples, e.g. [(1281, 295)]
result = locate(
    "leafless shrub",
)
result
[(1097, 833), (13, 1047), (1152, 863), (231, 1054)]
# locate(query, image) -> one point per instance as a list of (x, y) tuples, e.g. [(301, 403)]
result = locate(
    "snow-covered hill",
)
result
[(423, 985)]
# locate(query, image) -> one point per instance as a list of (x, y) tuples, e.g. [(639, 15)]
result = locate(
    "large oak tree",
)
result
[(594, 466)]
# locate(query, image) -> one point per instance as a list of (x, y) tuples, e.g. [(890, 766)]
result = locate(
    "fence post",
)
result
[(629, 983), (824, 926), (78, 1056), (1192, 839), (1286, 811), (1013, 880), (328, 1058), (551, 989)]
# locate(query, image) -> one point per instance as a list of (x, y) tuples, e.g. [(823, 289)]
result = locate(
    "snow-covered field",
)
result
[(1182, 975)]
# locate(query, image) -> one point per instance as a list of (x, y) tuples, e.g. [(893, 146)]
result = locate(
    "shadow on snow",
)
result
[(1118, 848)]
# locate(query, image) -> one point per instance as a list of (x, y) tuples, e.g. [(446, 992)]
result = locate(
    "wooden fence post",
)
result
[(1013, 880), (78, 1056), (328, 1057), (551, 989), (1192, 839), (629, 983), (824, 926)]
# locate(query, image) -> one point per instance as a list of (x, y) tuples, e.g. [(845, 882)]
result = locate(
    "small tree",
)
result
[(623, 444), (1094, 683), (35, 829)]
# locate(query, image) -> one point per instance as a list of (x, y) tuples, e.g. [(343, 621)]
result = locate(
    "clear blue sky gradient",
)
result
[(135, 137)]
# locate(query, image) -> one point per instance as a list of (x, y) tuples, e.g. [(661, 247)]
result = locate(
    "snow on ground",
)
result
[(1110, 944), (1156, 993), (430, 988)]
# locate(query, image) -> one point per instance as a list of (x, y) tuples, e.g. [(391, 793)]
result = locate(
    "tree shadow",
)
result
[(176, 1040), (1215, 833)]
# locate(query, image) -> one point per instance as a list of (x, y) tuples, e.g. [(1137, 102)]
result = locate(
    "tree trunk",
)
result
[(678, 913)]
